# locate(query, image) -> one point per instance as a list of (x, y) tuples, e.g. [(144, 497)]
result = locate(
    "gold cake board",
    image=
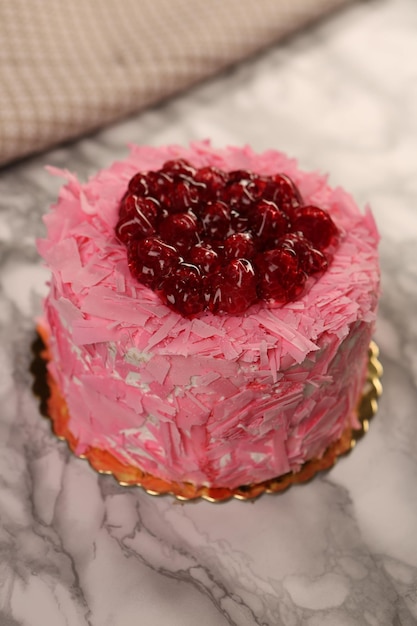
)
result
[(53, 406)]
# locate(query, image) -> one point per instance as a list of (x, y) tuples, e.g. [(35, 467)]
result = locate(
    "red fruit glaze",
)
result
[(207, 239)]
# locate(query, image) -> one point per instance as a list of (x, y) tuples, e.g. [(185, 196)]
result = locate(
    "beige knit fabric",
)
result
[(68, 67)]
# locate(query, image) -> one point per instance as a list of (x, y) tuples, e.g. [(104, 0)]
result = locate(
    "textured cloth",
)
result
[(67, 68)]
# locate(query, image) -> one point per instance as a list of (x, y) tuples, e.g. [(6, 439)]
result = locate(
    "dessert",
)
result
[(209, 312)]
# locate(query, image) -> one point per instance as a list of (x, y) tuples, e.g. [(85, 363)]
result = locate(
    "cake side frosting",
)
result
[(218, 400)]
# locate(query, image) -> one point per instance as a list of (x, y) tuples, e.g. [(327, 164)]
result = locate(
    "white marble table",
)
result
[(75, 548)]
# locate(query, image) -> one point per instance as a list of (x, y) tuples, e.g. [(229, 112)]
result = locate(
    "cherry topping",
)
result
[(314, 262), (238, 197), (316, 225), (282, 278), (150, 260), (240, 284), (216, 220), (311, 260), (283, 191), (234, 289), (180, 230), (257, 187), (239, 246), (160, 186), (211, 181), (137, 218), (207, 239), (184, 196), (139, 184), (268, 223), (205, 257), (182, 289), (178, 167)]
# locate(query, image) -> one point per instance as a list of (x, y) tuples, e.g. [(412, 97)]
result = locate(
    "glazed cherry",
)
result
[(268, 223), (240, 285), (179, 167), (205, 239), (282, 278), (160, 187), (205, 258), (284, 193), (211, 181), (238, 197), (239, 246), (182, 289), (316, 225), (184, 196), (234, 289), (256, 188), (314, 262), (150, 260), (137, 218), (239, 222), (179, 230), (240, 176), (311, 260), (139, 184), (215, 219)]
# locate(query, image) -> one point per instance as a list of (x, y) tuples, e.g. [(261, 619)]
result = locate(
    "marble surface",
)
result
[(76, 549)]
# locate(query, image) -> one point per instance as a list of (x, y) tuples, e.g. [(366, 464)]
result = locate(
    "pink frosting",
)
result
[(217, 400)]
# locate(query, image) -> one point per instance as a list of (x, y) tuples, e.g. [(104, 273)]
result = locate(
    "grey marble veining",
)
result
[(75, 548)]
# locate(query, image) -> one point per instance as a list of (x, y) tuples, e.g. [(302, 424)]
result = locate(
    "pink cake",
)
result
[(217, 399)]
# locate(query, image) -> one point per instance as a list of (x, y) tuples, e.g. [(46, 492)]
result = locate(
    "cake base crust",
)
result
[(54, 407)]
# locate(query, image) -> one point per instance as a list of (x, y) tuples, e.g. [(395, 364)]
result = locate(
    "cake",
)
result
[(249, 380)]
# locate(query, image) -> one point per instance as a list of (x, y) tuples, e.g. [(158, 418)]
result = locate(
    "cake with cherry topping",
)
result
[(209, 312)]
